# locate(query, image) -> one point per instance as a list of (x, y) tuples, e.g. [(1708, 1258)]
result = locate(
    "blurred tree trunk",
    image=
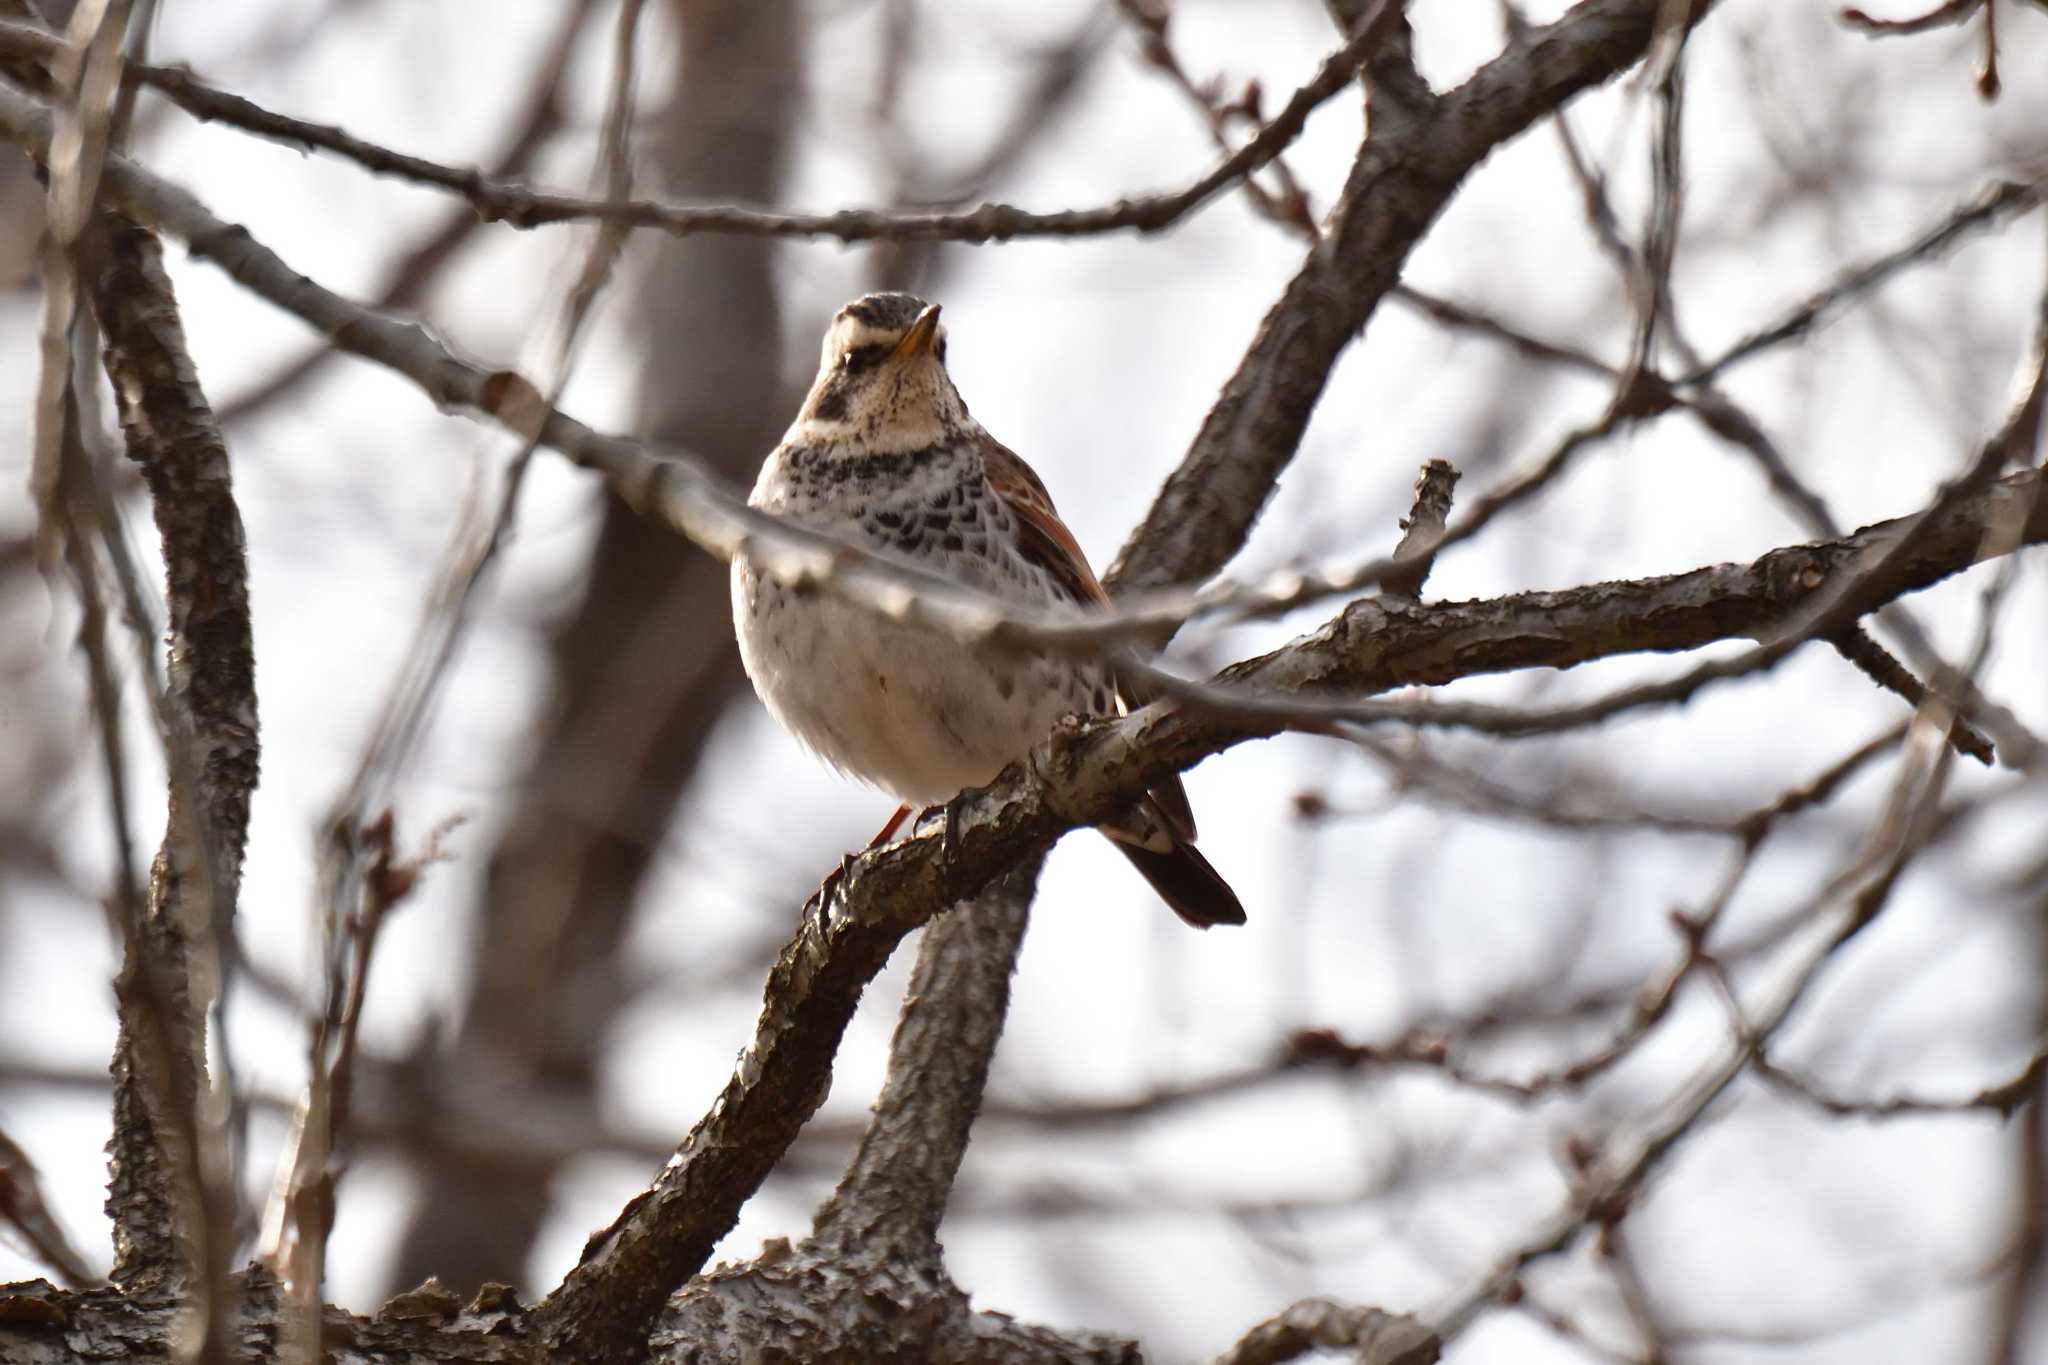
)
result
[(644, 669)]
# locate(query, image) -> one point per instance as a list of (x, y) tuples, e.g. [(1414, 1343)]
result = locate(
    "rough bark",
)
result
[(211, 714), (875, 1241), (161, 1209)]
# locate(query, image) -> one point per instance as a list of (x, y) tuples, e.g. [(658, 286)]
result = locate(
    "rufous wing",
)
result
[(1159, 837)]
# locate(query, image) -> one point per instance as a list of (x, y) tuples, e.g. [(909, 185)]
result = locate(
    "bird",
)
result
[(884, 455)]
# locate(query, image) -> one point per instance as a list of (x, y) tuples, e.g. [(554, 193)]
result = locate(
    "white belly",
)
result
[(916, 714)]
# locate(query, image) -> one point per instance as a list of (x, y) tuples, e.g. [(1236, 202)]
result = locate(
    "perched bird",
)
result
[(884, 455)]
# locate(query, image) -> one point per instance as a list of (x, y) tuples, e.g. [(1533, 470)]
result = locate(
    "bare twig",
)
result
[(1947, 13), (1287, 203), (1996, 204), (1943, 14), (1880, 667), (295, 1225), (24, 1210), (522, 207), (357, 866), (407, 282), (2002, 1098), (1612, 1182), (1423, 529)]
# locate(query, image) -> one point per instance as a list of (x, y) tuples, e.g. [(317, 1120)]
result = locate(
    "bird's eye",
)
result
[(940, 350), (862, 358)]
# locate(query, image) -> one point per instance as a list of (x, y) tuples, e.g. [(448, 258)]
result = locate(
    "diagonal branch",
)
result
[(1397, 186), (1082, 779), (894, 1194), (416, 269)]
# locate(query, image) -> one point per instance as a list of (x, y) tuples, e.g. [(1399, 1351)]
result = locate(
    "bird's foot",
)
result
[(948, 812), (836, 878), (821, 899)]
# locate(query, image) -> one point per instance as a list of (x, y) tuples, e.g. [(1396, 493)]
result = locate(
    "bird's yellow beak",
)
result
[(923, 333)]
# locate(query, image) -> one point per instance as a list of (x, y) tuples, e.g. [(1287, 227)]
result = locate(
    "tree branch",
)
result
[(1082, 778), (210, 714), (1405, 173), (407, 282), (894, 1193), (523, 207), (1315, 1325)]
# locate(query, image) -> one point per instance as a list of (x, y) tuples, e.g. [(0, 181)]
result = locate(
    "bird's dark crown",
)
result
[(885, 312)]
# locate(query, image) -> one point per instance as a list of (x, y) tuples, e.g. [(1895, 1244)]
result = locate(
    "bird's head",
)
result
[(882, 384)]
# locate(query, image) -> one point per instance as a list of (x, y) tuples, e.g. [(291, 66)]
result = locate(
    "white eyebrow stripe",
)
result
[(852, 332)]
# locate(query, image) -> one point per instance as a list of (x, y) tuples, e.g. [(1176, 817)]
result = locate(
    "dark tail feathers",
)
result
[(1186, 882)]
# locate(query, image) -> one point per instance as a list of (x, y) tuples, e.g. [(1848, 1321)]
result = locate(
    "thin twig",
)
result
[(1610, 1184), (1994, 205), (24, 1209), (523, 207), (2002, 1098), (406, 283), (1877, 664), (1946, 13), (357, 866)]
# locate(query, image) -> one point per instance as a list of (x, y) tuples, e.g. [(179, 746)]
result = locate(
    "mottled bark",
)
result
[(875, 1241), (894, 1192), (41, 1325), (211, 722)]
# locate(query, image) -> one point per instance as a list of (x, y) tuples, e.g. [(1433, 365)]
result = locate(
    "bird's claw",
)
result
[(949, 833), (834, 882), (948, 813)]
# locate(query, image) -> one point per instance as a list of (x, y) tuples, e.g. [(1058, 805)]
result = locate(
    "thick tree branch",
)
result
[(1080, 778), (879, 1230), (210, 716), (894, 1194), (105, 1326), (1407, 170), (1083, 778), (171, 434), (1402, 106)]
